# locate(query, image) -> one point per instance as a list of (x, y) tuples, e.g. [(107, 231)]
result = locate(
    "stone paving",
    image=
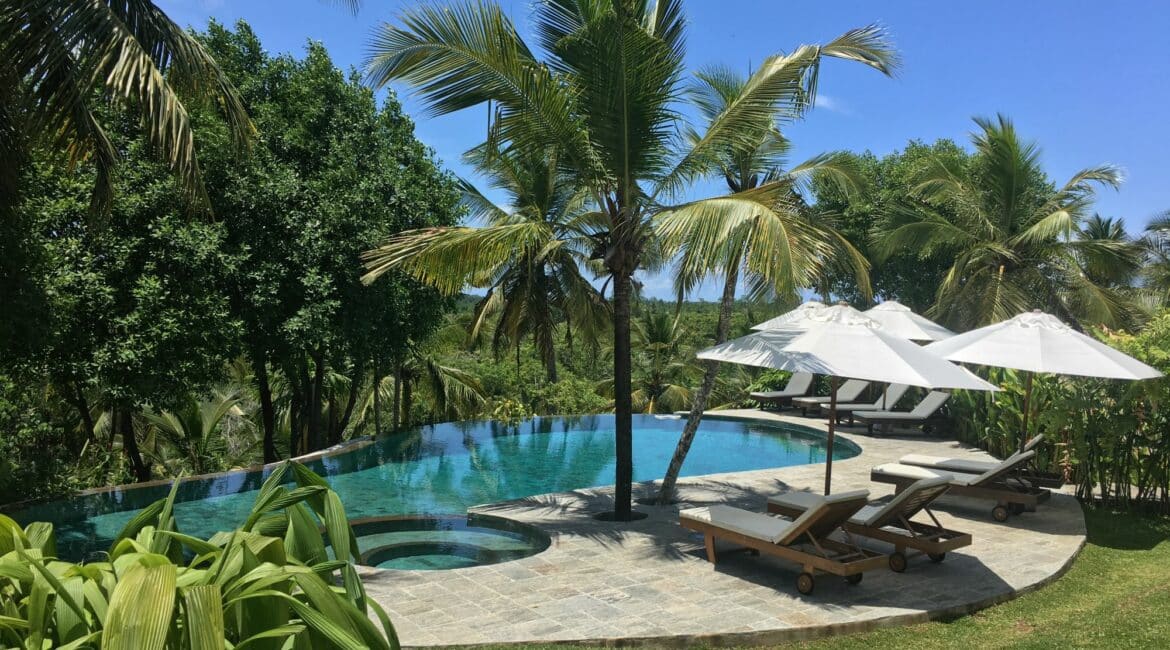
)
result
[(648, 582)]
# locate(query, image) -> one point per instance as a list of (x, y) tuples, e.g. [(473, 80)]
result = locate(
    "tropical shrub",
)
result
[(274, 582)]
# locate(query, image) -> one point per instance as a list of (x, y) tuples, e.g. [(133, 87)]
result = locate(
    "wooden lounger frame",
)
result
[(1009, 494), (933, 540), (812, 549)]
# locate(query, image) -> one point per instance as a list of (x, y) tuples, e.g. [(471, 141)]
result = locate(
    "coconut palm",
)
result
[(606, 98), (196, 431), (541, 284), (62, 60), (662, 372), (779, 250), (1018, 242), (1156, 272)]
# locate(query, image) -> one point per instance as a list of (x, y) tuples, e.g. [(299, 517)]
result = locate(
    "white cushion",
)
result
[(752, 524), (948, 464), (910, 471)]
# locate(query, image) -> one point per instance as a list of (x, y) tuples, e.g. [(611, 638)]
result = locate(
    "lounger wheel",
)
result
[(1000, 513), (936, 557), (854, 579), (805, 583), (897, 562)]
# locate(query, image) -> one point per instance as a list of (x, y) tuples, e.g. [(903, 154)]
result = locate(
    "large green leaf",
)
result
[(204, 617), (141, 608)]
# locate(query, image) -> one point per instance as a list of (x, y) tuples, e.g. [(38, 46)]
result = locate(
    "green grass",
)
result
[(1116, 595)]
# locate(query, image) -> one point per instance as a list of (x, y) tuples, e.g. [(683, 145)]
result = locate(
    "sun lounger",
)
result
[(973, 466), (804, 540), (889, 520), (846, 392), (799, 384), (892, 394), (970, 466), (1012, 494), (923, 412)]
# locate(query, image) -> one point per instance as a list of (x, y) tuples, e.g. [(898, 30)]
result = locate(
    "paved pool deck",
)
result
[(648, 582)]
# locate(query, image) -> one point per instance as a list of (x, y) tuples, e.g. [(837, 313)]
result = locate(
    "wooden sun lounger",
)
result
[(804, 540), (889, 520), (799, 384), (1011, 494), (922, 413), (847, 392)]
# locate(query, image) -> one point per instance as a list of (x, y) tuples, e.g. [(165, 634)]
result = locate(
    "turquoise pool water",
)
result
[(445, 468)]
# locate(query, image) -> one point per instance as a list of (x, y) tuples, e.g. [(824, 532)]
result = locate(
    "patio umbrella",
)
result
[(1038, 342), (845, 344), (899, 320), (794, 318)]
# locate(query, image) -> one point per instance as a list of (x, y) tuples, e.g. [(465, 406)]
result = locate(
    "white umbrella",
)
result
[(795, 318), (845, 344), (899, 320), (1039, 342)]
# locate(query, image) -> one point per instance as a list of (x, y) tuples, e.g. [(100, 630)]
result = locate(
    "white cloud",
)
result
[(832, 104)]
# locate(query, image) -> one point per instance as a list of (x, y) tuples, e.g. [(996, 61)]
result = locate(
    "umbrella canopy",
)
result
[(844, 343), (795, 318), (1039, 342), (899, 320)]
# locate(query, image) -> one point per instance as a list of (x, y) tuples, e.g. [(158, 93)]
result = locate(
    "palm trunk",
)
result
[(87, 423), (130, 445), (314, 402), (377, 399), (407, 402), (548, 342), (622, 402), (350, 401), (397, 420), (267, 410), (699, 404)]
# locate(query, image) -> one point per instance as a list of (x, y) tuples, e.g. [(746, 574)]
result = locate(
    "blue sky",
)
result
[(1086, 80)]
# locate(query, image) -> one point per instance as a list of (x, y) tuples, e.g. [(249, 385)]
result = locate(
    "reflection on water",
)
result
[(447, 468)]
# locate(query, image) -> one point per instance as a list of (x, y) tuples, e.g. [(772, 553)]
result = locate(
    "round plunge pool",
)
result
[(433, 542)]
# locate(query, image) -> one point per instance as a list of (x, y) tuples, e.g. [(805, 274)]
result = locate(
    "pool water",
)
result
[(446, 468), (445, 541)]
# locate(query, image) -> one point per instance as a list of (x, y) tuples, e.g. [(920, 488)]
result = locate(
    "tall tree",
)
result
[(606, 97), (779, 248), (536, 285), (887, 182), (330, 175), (1017, 241)]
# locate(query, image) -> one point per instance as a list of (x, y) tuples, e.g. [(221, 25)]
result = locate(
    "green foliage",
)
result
[(569, 396), (266, 584), (887, 183), (1016, 241)]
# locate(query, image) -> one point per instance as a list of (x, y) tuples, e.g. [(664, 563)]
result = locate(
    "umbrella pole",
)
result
[(1027, 409), (832, 425)]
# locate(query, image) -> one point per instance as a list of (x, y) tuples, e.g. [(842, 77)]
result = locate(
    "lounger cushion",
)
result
[(773, 394), (949, 464), (888, 415), (869, 515), (910, 471), (752, 524)]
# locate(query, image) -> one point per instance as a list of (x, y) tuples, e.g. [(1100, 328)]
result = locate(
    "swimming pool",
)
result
[(446, 468)]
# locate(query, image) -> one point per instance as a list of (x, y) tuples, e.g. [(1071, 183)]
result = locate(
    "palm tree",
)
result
[(540, 284), (196, 431), (779, 249), (62, 60), (662, 373), (1018, 242), (1156, 245), (606, 99)]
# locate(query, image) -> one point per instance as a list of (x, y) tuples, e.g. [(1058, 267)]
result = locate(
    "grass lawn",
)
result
[(1117, 595)]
